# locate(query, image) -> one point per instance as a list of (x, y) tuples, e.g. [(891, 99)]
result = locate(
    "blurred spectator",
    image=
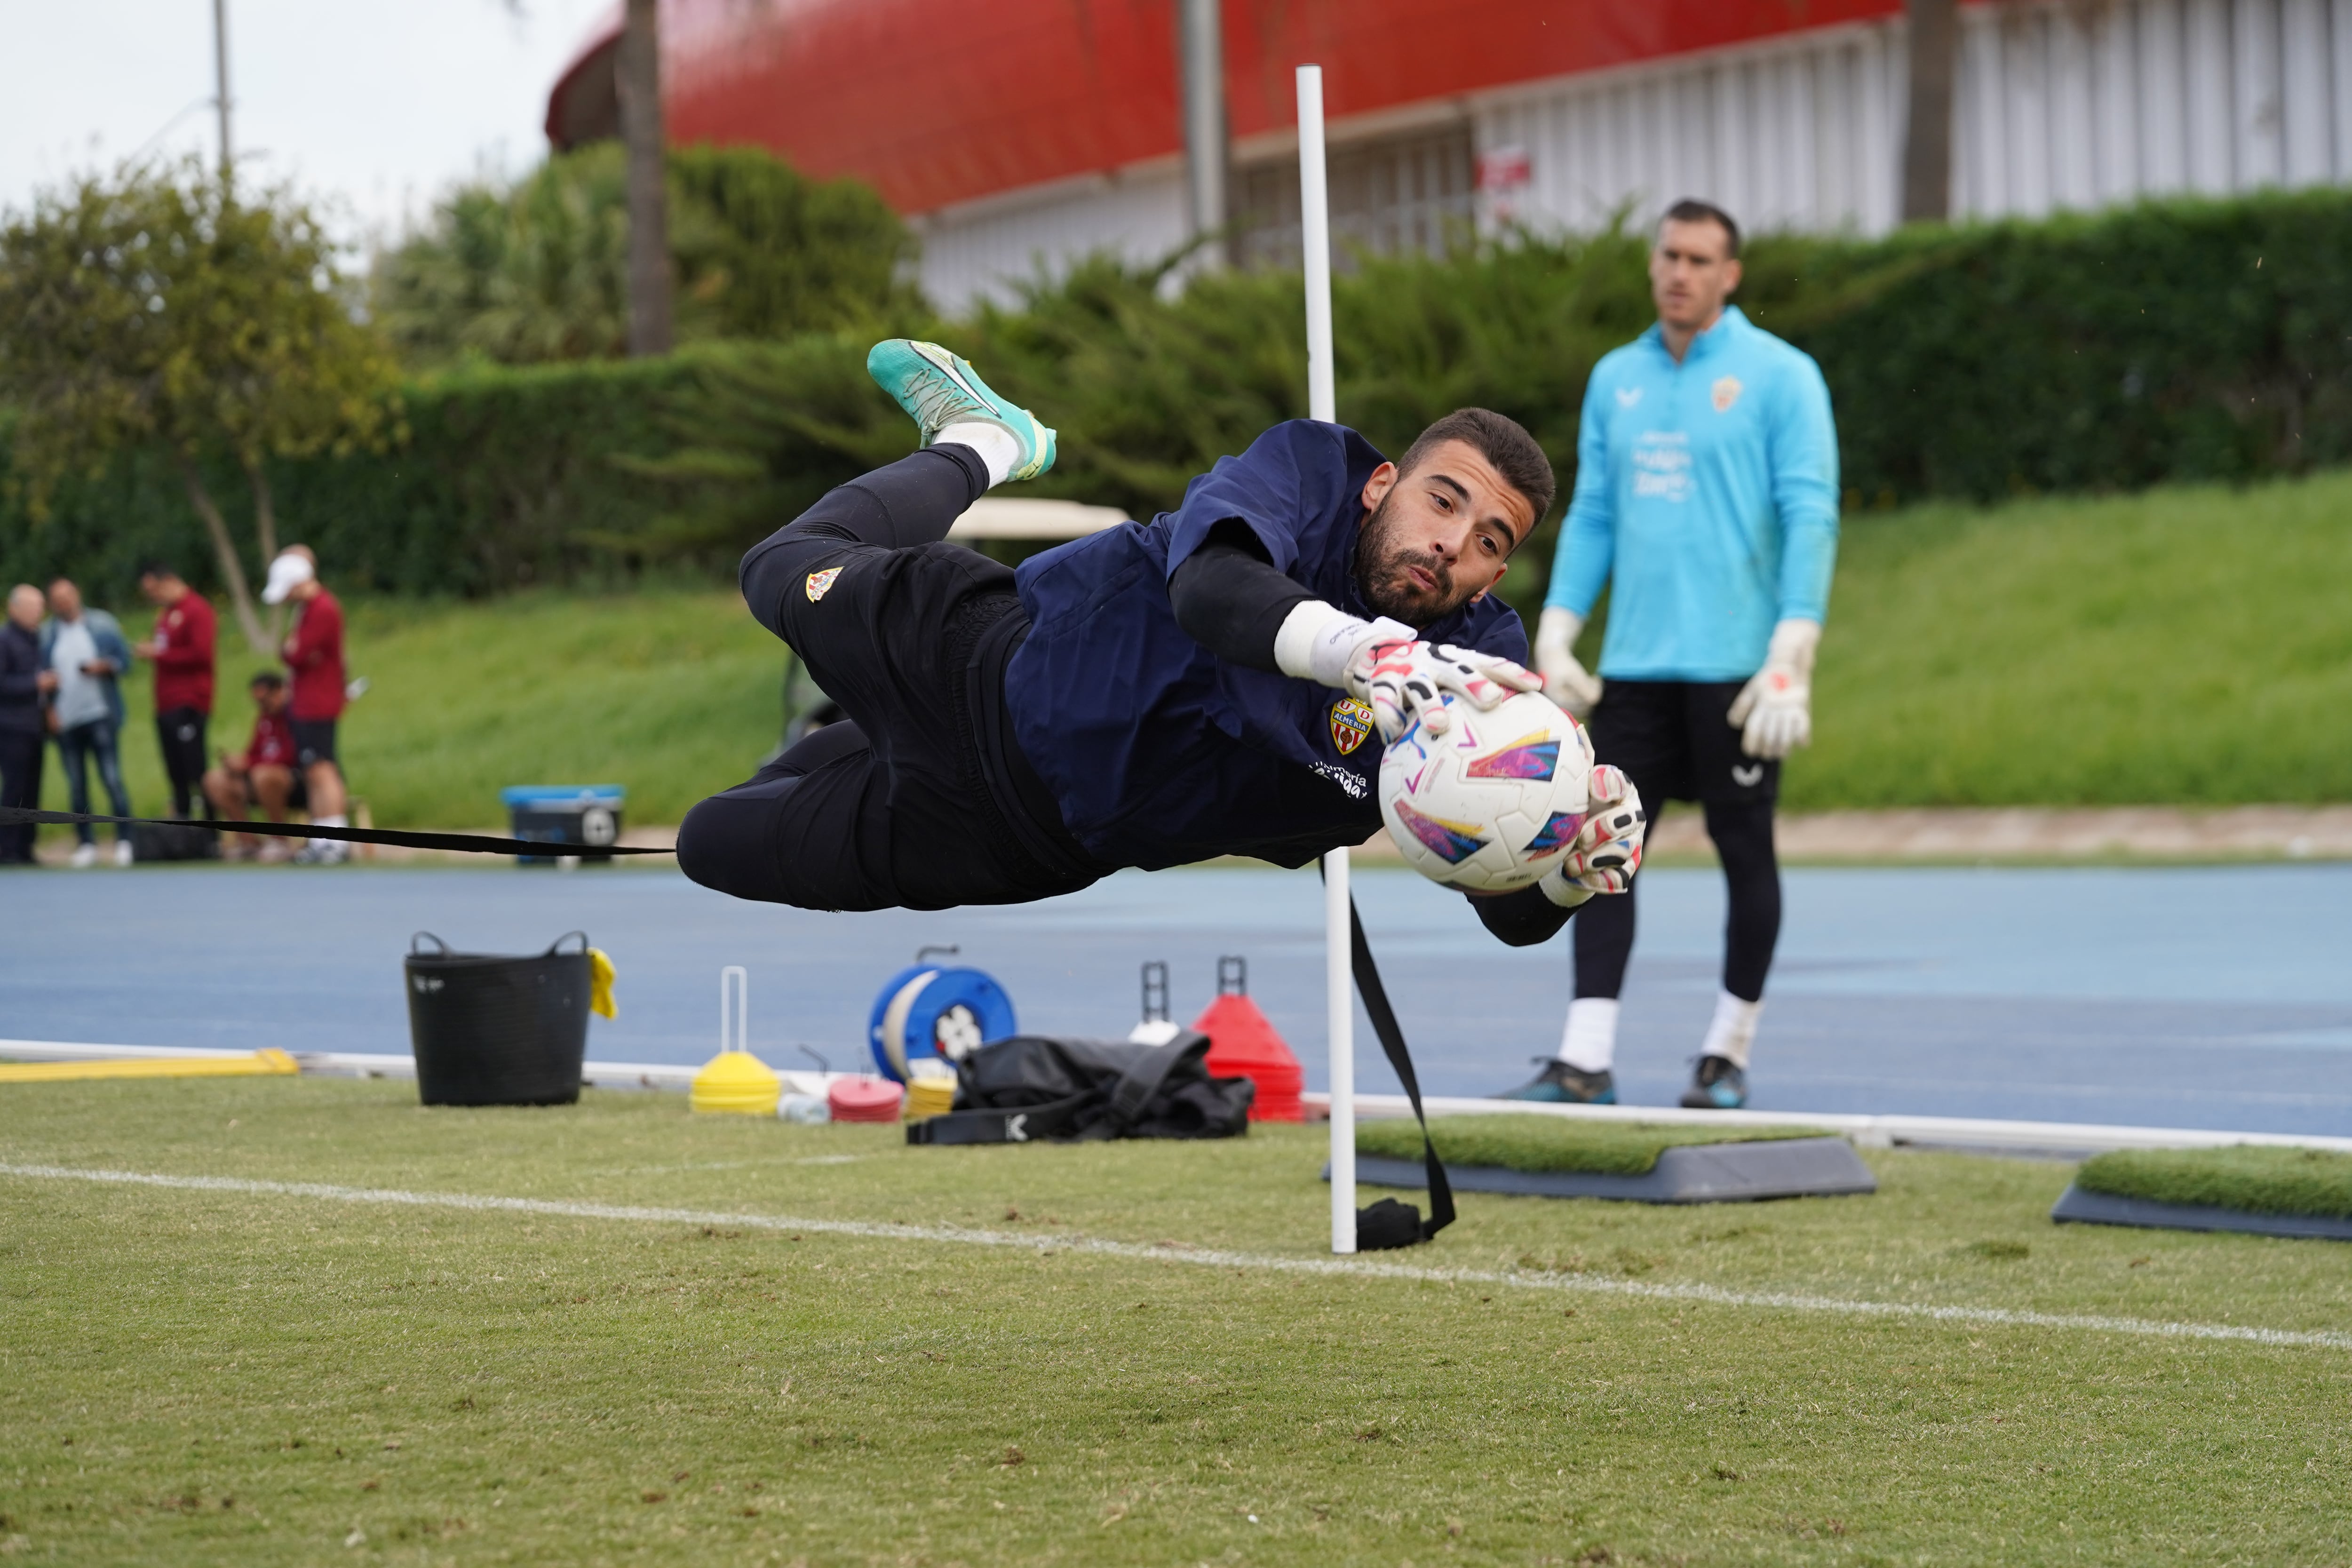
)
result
[(85, 650), (24, 684), (265, 774), (315, 654), (182, 650)]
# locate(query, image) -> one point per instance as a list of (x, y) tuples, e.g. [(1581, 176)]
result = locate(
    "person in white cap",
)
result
[(314, 655)]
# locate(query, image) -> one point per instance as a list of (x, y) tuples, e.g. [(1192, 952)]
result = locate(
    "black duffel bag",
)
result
[(154, 841), (492, 1030), (1032, 1088)]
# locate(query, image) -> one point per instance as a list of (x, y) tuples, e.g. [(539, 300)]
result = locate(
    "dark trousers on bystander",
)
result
[(79, 745), (20, 785), (180, 731)]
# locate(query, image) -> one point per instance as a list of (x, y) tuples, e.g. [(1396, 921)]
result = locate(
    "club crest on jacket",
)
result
[(818, 582), (1351, 720), (1725, 392)]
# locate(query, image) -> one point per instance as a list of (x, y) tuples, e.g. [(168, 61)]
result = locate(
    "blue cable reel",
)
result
[(929, 1010)]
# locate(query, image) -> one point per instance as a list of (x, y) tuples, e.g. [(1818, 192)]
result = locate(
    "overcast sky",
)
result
[(378, 105)]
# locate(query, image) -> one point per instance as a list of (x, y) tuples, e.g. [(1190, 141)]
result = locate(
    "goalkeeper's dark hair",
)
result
[(1502, 441)]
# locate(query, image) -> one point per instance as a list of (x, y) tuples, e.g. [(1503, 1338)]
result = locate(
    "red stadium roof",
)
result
[(939, 102)]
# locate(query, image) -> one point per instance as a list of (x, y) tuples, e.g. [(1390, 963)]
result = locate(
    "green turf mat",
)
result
[(1546, 1144), (2247, 1177)]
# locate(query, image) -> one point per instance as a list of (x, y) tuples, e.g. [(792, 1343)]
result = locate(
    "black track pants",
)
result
[(180, 733), (921, 800), (1672, 740)]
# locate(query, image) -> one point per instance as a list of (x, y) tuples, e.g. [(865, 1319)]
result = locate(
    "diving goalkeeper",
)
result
[(1219, 682)]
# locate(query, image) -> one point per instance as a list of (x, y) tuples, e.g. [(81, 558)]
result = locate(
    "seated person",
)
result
[(264, 775)]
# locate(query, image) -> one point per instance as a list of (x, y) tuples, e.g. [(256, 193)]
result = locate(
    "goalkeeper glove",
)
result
[(1774, 712), (1608, 847), (1566, 681), (1384, 663)]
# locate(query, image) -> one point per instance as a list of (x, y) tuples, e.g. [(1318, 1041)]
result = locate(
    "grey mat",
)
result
[(2078, 1207), (1687, 1173)]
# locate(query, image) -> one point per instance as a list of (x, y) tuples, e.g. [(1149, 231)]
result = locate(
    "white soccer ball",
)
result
[(1495, 802)]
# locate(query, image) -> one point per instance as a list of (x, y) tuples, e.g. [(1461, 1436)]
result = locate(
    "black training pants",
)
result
[(180, 731), (921, 800), (1672, 740)]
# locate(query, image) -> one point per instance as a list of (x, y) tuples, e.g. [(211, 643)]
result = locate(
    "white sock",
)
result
[(1589, 1043), (1733, 1030), (329, 844), (994, 443)]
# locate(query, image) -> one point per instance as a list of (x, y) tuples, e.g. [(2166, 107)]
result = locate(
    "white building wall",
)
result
[(2059, 104), (988, 248)]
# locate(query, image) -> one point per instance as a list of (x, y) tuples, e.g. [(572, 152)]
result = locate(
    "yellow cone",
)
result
[(737, 1083)]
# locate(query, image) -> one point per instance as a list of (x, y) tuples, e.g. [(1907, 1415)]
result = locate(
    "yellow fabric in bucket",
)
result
[(267, 1062), (601, 975), (738, 1083)]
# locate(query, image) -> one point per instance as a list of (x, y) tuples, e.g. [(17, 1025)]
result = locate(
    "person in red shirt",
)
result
[(314, 653), (182, 652), (264, 775)]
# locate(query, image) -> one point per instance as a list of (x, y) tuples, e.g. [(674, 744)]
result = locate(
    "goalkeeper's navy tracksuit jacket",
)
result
[(1158, 753)]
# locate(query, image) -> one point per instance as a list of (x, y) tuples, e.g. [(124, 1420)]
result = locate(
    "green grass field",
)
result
[(2256, 1179), (2181, 647), (1547, 1143), (232, 1376)]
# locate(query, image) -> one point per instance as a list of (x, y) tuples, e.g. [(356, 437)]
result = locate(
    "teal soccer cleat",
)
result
[(938, 389), (1717, 1085), (1560, 1084)]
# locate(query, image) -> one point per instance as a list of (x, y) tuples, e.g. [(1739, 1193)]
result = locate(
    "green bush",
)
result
[(538, 272)]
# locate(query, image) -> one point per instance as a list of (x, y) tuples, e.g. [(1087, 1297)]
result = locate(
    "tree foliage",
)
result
[(151, 308), (538, 272)]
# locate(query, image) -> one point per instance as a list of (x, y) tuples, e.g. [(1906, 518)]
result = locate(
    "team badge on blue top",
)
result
[(818, 582)]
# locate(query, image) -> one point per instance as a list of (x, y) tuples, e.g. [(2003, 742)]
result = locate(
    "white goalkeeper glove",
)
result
[(1608, 849), (1566, 681), (1774, 711), (1387, 664)]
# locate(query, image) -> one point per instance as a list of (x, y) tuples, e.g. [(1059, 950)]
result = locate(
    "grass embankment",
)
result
[(2247, 1177), (673, 692), (2183, 647), (1544, 1143), (263, 1378)]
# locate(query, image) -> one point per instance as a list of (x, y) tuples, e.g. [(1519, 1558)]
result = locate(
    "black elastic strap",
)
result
[(1384, 1025), (461, 843), (1033, 1124)]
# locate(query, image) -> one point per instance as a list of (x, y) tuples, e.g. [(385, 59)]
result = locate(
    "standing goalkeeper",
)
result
[(1707, 496)]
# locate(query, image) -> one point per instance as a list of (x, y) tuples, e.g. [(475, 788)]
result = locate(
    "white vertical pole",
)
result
[(1322, 403), (1315, 245)]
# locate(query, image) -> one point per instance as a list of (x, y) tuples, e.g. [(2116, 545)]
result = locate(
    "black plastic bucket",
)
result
[(493, 1030)]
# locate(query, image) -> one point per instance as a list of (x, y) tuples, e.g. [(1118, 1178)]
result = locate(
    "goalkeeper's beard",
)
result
[(1383, 575)]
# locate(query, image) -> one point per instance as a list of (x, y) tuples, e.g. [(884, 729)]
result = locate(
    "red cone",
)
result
[(1242, 1044)]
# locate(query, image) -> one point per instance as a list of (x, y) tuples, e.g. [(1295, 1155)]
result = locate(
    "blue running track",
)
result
[(2199, 997)]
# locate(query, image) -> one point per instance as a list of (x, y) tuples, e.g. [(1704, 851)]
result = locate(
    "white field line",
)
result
[(1779, 1300)]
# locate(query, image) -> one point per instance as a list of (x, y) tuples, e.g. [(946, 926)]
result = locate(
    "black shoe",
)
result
[(1716, 1086), (1560, 1084)]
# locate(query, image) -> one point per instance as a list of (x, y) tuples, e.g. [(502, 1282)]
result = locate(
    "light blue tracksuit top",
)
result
[(1706, 493)]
